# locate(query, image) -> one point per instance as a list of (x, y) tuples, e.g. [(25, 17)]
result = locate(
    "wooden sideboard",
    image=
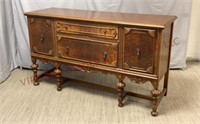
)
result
[(130, 45)]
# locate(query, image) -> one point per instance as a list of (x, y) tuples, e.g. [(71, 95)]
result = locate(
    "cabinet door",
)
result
[(139, 49), (41, 35)]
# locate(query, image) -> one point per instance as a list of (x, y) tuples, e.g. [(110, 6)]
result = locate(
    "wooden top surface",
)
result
[(147, 20)]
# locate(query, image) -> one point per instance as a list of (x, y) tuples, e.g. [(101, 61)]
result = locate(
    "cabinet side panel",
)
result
[(164, 53)]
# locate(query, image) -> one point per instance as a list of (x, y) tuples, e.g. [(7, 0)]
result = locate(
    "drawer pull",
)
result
[(67, 49), (138, 52), (41, 37), (105, 55)]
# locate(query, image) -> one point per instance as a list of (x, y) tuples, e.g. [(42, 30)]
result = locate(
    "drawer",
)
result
[(88, 51), (87, 29), (139, 49), (41, 35)]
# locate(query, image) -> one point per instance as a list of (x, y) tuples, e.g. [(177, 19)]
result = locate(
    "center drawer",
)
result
[(88, 51), (87, 29)]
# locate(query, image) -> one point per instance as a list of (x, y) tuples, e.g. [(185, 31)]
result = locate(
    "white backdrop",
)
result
[(180, 8), (7, 40)]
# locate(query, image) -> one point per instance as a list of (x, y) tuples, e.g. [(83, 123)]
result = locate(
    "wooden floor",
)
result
[(23, 103)]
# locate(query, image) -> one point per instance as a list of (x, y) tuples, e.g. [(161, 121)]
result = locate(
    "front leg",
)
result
[(120, 88), (155, 95), (34, 68), (58, 73)]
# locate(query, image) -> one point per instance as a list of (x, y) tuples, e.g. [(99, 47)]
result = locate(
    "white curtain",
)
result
[(7, 40), (180, 8)]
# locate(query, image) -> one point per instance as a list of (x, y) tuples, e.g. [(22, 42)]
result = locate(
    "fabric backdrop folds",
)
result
[(7, 40), (180, 8)]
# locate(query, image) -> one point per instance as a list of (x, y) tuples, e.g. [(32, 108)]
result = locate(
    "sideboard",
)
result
[(130, 45)]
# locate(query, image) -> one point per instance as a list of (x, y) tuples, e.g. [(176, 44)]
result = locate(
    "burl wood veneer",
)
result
[(124, 44)]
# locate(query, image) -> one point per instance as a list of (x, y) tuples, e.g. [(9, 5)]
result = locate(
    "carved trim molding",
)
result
[(138, 80), (149, 69), (44, 61), (85, 69)]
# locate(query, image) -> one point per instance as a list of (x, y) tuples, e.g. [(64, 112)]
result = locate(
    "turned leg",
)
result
[(166, 82), (120, 88), (155, 94), (34, 68), (58, 73)]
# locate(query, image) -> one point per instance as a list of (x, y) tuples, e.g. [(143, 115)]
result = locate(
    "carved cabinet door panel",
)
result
[(139, 49), (88, 51), (41, 34)]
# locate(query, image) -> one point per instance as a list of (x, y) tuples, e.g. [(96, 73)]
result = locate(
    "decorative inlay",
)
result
[(32, 20), (127, 31), (114, 63), (60, 54), (59, 38), (151, 33), (150, 69), (91, 30), (50, 52), (126, 65), (48, 22), (37, 51), (148, 31)]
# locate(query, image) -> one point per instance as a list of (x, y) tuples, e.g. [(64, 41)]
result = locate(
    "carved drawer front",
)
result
[(87, 29), (139, 49), (92, 52), (41, 34)]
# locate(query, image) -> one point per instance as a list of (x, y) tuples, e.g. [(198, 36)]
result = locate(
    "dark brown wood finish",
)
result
[(139, 49), (87, 29), (41, 30), (85, 50), (136, 46)]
